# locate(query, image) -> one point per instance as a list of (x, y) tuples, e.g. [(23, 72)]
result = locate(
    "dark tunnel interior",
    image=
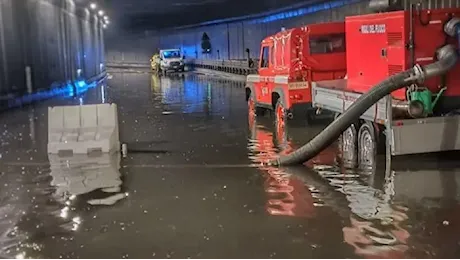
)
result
[(157, 129)]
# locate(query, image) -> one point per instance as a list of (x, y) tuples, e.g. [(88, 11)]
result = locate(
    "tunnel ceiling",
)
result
[(158, 14)]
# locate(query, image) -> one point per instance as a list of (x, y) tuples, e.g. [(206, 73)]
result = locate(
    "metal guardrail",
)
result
[(240, 67), (128, 65)]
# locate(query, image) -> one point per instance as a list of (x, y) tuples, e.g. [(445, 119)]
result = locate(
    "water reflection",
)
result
[(377, 241), (287, 195), (192, 93), (330, 212), (50, 207), (81, 174), (375, 227)]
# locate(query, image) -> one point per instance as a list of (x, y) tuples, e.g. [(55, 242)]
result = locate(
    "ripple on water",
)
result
[(287, 195), (46, 203), (373, 226)]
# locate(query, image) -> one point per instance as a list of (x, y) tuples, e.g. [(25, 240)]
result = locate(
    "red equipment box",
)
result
[(378, 47)]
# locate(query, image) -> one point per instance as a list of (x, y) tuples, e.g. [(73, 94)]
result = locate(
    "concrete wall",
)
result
[(131, 48), (231, 38), (58, 39)]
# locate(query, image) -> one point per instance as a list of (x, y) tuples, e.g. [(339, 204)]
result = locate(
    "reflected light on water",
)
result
[(76, 223), (375, 227), (64, 212), (287, 195), (21, 255), (371, 241)]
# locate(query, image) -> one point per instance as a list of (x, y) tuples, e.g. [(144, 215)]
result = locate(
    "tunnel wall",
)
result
[(59, 40), (232, 37), (131, 48)]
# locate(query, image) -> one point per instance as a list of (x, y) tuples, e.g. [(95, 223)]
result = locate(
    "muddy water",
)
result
[(193, 186)]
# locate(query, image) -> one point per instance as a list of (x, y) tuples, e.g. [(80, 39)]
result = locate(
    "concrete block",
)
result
[(83, 129)]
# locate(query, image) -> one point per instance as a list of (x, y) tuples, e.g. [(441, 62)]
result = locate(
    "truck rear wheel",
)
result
[(367, 146), (348, 145)]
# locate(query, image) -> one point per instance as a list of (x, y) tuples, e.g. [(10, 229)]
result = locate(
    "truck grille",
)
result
[(175, 63), (395, 38), (394, 69)]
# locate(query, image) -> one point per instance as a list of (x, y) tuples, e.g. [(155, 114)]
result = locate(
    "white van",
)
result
[(171, 59)]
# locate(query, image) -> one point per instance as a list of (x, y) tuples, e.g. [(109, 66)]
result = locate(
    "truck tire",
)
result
[(348, 145), (367, 146)]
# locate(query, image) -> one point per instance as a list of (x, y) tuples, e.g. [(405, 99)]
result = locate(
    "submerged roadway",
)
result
[(193, 185)]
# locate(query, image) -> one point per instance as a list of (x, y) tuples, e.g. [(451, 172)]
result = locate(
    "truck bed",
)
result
[(408, 136), (333, 95)]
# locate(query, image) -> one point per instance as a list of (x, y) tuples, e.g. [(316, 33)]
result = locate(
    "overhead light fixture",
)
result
[(106, 17), (93, 6), (104, 25), (101, 12), (107, 22)]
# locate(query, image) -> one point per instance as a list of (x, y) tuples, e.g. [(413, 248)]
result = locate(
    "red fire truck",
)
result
[(290, 62), (402, 80)]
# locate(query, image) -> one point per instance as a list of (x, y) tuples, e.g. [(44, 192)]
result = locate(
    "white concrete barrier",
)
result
[(83, 129), (81, 174)]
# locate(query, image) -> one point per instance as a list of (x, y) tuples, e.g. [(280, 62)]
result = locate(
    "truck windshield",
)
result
[(331, 43), (171, 54)]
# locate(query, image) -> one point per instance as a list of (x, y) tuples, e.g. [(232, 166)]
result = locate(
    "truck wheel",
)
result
[(348, 145), (367, 146)]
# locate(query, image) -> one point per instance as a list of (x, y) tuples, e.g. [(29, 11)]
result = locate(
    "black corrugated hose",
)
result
[(447, 58)]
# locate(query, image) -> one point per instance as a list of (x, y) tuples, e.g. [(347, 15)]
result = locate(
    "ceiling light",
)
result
[(106, 17), (104, 25), (101, 12), (93, 6)]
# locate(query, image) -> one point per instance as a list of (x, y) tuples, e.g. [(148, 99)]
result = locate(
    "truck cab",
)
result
[(171, 59), (290, 62)]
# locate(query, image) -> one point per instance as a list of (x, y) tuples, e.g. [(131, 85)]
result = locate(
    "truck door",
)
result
[(267, 74)]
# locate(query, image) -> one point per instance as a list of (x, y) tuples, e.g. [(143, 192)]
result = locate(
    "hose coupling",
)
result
[(419, 74)]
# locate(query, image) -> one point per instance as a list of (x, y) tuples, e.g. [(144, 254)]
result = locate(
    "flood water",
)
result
[(193, 186)]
